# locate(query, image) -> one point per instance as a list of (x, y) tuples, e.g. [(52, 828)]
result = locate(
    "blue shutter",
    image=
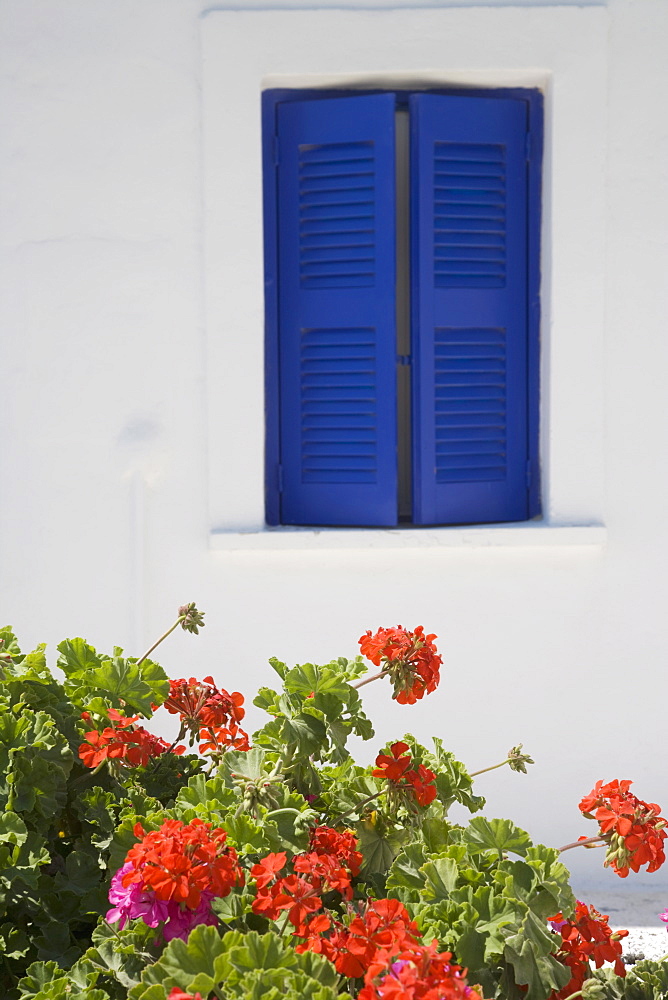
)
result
[(469, 309), (337, 339)]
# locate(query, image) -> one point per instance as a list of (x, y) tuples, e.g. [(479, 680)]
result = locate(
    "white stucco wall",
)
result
[(130, 410)]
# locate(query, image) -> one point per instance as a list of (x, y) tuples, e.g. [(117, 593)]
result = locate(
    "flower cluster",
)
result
[(329, 865), (178, 994), (370, 941), (664, 916), (418, 972), (209, 712), (416, 785), (171, 876), (635, 830), (381, 944), (122, 741), (410, 659), (584, 939)]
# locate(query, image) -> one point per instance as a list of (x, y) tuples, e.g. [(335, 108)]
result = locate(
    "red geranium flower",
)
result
[(123, 741), (418, 972), (181, 861), (217, 739), (397, 770), (410, 659), (393, 767), (584, 939), (329, 865), (369, 941), (634, 829), (201, 703)]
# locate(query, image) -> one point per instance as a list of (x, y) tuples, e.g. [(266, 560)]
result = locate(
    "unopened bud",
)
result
[(193, 620), (593, 990), (517, 760)]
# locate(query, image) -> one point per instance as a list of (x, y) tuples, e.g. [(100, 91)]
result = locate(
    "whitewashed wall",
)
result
[(131, 378)]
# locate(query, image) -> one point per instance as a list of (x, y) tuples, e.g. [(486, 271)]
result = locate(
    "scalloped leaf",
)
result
[(498, 835)]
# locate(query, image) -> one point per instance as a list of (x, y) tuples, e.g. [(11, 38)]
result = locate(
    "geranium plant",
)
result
[(274, 865)]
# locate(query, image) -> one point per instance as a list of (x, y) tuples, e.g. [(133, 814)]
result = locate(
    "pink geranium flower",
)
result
[(135, 903)]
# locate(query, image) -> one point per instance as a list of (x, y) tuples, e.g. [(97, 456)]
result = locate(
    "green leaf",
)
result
[(247, 835), (280, 668), (470, 949), (406, 879), (379, 845), (186, 964), (453, 781), (263, 951), (82, 873), (124, 954), (38, 976), (307, 732), (496, 835), (8, 644), (35, 663), (125, 680), (77, 657), (247, 766), (14, 942), (208, 796), (12, 829), (441, 878), (267, 700), (307, 679), (529, 952)]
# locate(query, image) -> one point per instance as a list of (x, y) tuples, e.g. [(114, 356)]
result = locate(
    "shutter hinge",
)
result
[(528, 473), (275, 149), (279, 477), (527, 146), (403, 359)]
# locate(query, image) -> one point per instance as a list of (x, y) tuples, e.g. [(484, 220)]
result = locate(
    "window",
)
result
[(401, 237)]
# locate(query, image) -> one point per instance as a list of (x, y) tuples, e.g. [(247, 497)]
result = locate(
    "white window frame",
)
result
[(561, 50)]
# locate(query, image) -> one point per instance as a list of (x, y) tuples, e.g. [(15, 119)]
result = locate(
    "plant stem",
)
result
[(157, 760), (161, 639), (582, 843), (359, 805), (288, 810), (88, 774), (374, 677), (474, 774), (574, 995), (144, 954)]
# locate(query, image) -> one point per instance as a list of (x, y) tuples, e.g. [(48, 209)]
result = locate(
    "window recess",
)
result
[(402, 325)]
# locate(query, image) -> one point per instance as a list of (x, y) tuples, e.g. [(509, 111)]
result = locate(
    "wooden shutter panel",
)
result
[(469, 309), (337, 339)]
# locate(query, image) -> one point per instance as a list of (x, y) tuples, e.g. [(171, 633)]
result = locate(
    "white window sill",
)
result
[(531, 534)]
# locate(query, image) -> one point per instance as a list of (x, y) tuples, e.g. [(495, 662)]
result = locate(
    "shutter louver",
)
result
[(469, 309), (337, 334)]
